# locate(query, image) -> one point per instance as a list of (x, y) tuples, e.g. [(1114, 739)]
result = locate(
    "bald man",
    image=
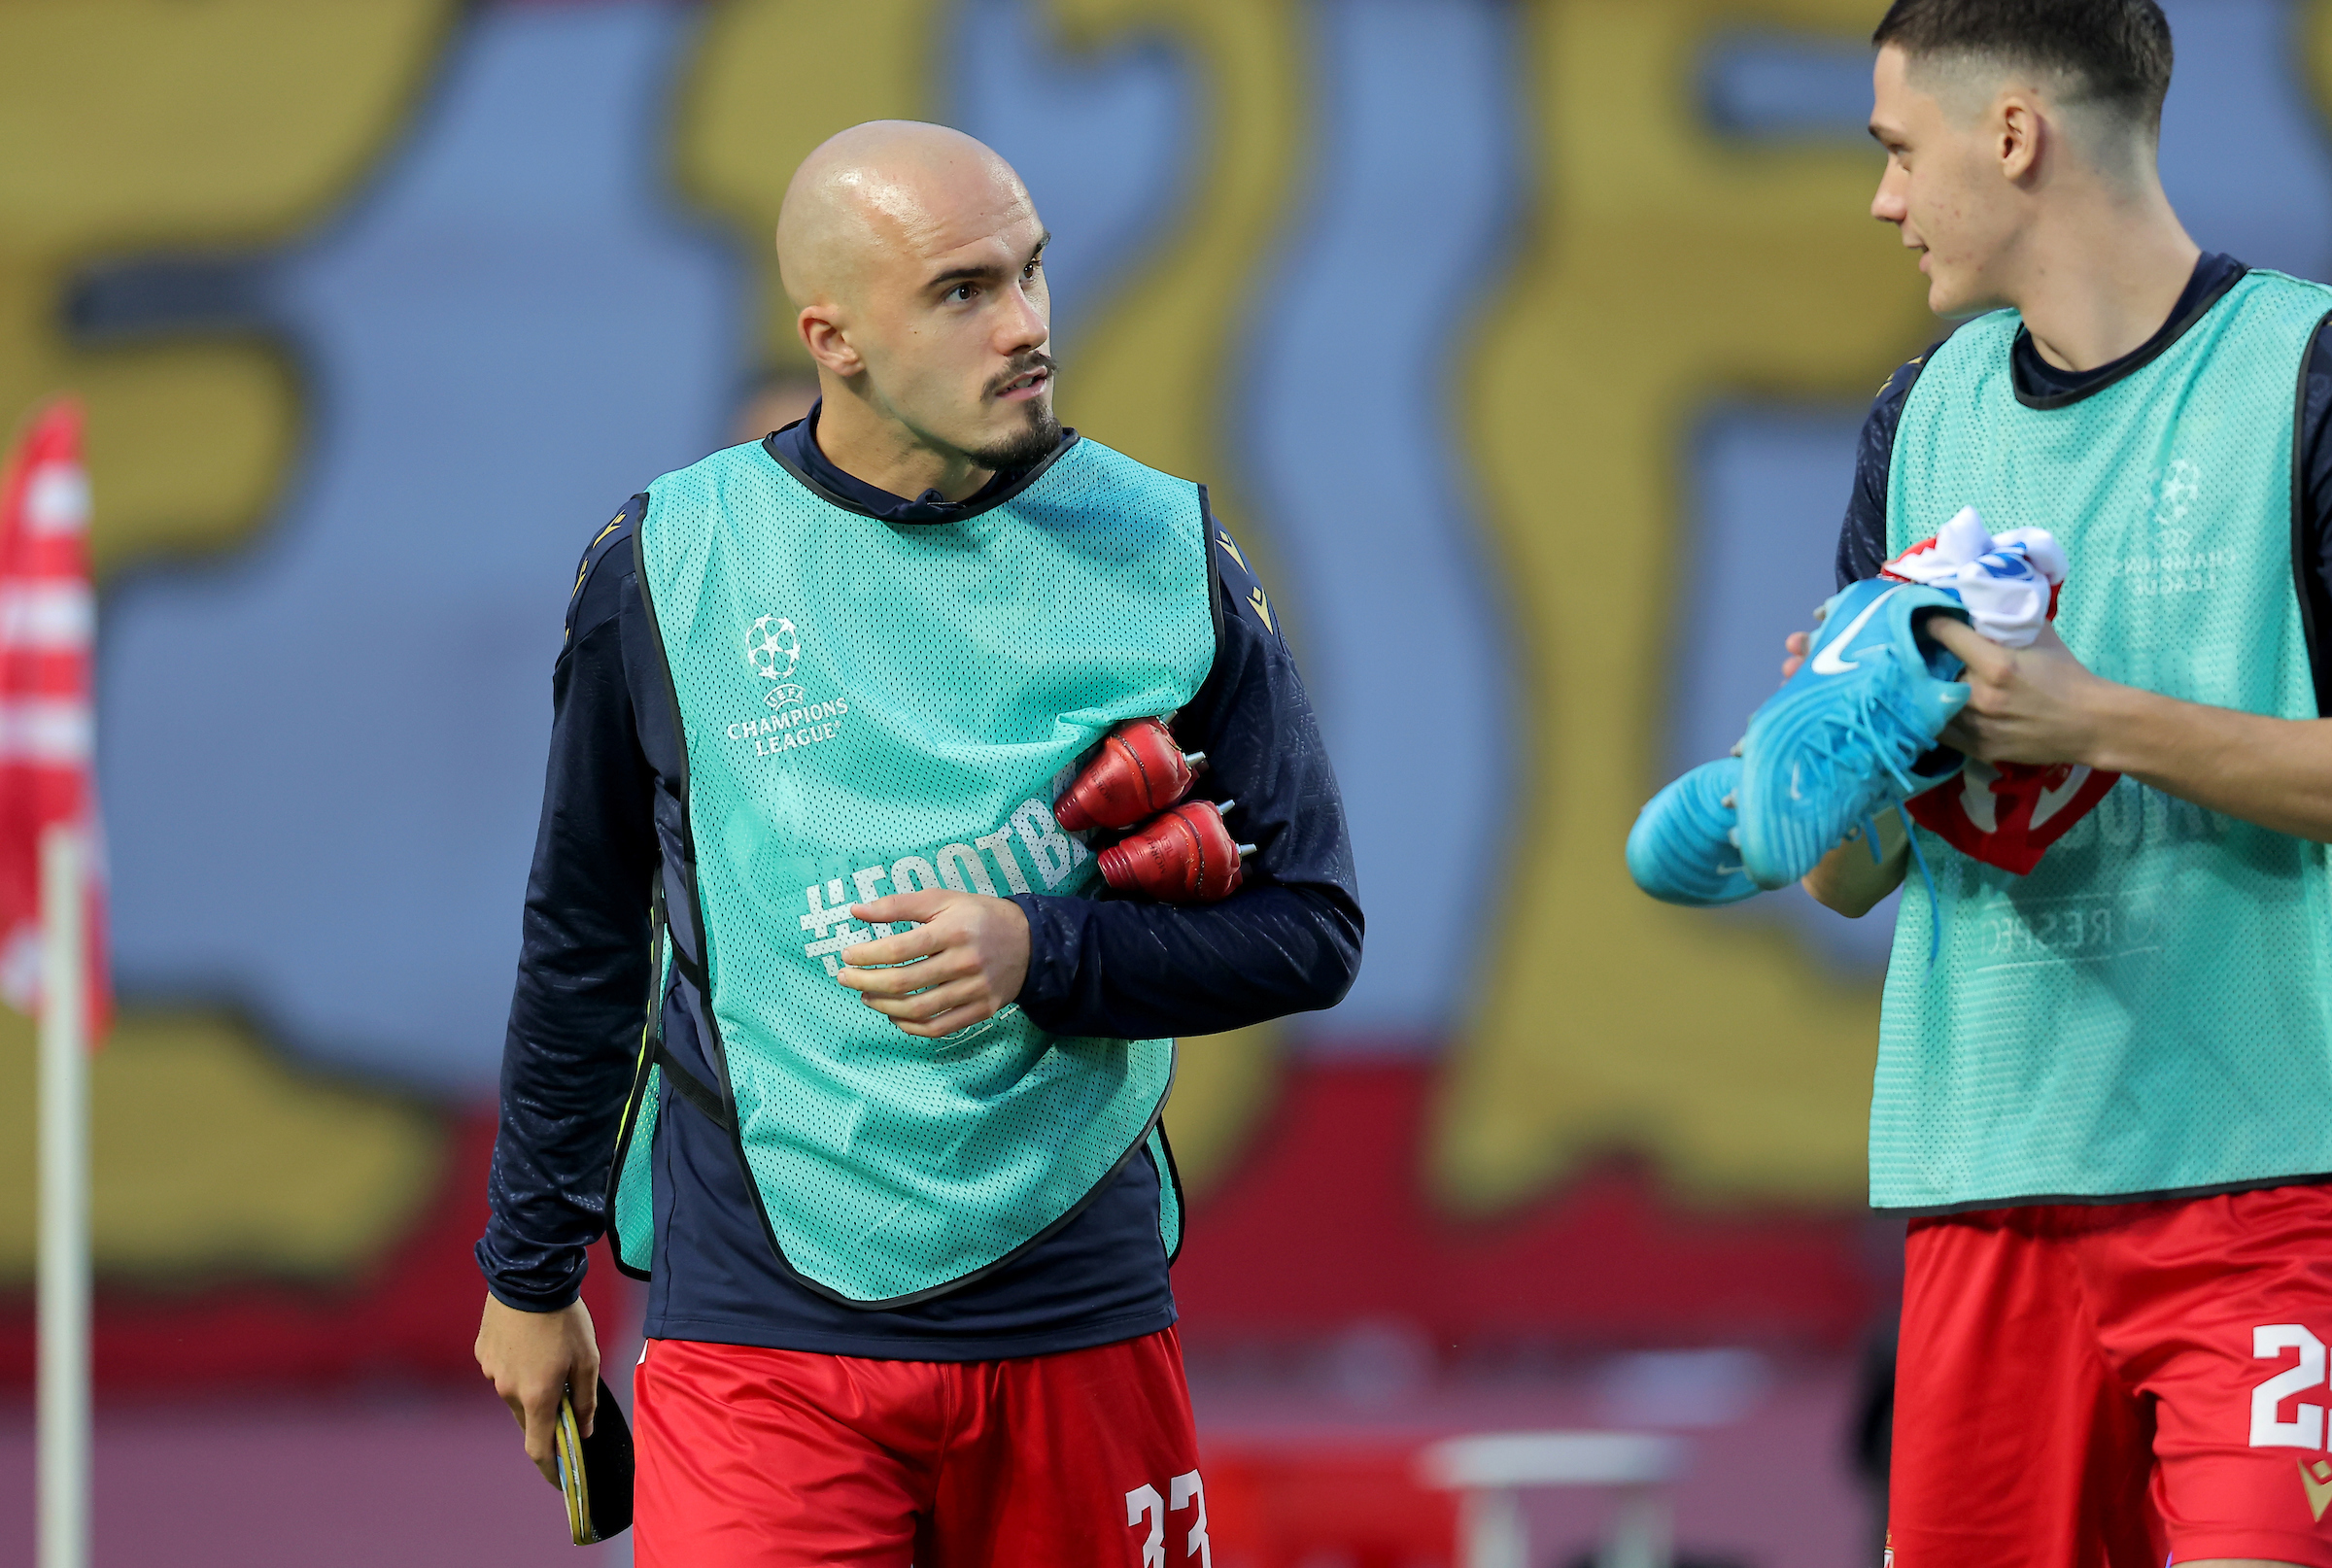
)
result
[(888, 1149)]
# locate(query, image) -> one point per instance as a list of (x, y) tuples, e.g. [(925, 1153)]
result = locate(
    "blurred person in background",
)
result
[(899, 1189), (2107, 1101), (774, 399)]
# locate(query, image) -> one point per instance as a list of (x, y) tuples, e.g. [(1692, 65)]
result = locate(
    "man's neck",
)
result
[(880, 451), (2103, 277)]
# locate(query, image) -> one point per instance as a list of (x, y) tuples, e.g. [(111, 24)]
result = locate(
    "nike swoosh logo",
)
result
[(2053, 800), (1827, 661), (1976, 797)]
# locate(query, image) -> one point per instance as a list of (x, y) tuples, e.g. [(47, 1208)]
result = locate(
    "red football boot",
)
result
[(1186, 856), (1139, 770)]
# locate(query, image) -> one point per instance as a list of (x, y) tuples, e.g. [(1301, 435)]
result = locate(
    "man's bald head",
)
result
[(887, 191), (916, 265)]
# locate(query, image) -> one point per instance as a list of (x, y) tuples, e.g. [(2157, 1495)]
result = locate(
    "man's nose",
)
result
[(1886, 203), (1024, 326)]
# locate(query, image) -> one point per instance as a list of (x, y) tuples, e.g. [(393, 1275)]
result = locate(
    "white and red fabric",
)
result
[(48, 624), (2004, 814), (2008, 582)]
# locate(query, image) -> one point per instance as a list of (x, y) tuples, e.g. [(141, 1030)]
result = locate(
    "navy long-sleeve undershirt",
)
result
[(1289, 941)]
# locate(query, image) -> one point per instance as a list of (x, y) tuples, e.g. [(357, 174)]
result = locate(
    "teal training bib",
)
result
[(2146, 1013), (872, 708)]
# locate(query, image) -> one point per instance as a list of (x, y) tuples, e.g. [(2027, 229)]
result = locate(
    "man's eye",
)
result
[(962, 291)]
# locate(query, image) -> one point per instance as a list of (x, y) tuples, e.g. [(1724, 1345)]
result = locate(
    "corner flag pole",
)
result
[(64, 1257), (51, 911)]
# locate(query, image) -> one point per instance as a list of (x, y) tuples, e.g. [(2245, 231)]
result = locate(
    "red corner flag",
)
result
[(48, 619)]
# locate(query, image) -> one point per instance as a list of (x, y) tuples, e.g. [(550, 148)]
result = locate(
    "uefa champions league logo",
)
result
[(773, 647), (2175, 489)]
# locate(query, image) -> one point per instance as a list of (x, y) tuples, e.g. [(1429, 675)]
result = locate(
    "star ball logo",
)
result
[(774, 648)]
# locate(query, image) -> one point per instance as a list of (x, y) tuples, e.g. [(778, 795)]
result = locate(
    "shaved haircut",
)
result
[(865, 189), (2108, 55)]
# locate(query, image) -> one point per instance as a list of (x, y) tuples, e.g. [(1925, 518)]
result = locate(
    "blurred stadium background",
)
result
[(1523, 341)]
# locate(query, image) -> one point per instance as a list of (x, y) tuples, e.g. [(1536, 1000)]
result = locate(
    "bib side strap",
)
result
[(689, 1088)]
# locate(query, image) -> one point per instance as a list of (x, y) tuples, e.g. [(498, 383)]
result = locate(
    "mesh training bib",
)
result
[(2146, 1012), (870, 708)]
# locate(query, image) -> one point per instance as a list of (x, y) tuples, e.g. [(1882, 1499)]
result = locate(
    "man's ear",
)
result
[(2020, 129), (823, 336)]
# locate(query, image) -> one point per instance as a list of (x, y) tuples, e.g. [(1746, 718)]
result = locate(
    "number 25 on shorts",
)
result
[(2305, 1428)]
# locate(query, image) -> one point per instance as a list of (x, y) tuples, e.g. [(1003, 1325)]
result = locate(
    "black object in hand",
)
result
[(594, 1472)]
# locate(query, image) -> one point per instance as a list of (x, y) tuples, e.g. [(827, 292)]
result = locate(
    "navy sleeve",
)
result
[(582, 991), (2313, 497), (1288, 941), (1862, 540)]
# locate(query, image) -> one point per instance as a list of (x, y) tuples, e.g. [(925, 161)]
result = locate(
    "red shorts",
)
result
[(2109, 1385), (755, 1459)]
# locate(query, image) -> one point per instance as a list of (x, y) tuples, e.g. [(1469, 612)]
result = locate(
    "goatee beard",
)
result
[(1025, 450)]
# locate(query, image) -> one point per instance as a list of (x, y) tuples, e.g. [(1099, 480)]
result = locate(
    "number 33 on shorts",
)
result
[(1144, 1505)]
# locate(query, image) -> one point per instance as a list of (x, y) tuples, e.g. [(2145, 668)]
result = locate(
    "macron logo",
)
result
[(1827, 661)]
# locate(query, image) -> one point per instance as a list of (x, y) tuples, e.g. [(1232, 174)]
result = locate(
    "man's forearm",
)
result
[(2041, 704), (562, 1102), (1851, 880), (1140, 971), (2274, 772), (582, 987)]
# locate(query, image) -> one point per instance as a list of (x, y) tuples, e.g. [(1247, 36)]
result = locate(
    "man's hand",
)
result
[(1851, 880), (973, 953), (533, 1359), (2035, 704), (2041, 705)]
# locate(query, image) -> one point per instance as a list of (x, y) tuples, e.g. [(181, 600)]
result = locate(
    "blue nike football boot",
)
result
[(1681, 849), (1845, 737)]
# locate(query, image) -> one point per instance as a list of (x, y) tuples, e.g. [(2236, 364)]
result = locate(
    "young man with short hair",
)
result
[(2107, 1101), (892, 1160)]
